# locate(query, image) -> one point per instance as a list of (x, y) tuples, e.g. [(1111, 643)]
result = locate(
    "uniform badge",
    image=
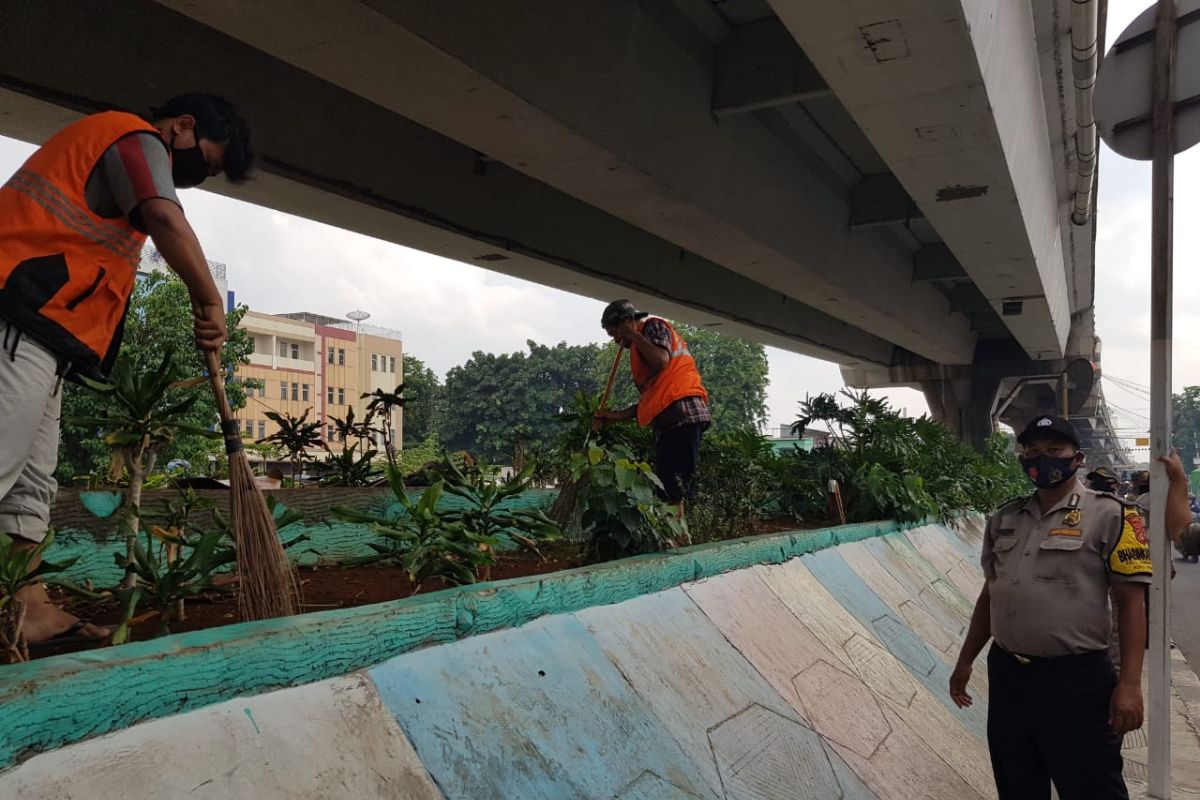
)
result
[(1139, 527), (1066, 531), (1073, 517)]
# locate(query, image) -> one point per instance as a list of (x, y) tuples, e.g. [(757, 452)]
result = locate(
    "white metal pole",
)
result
[(1161, 297)]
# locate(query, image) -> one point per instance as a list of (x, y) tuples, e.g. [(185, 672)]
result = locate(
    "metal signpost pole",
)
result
[(1160, 396)]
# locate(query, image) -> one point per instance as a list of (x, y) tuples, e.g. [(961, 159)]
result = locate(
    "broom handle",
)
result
[(612, 374), (233, 439)]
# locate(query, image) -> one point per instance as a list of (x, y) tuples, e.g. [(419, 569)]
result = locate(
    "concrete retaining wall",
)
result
[(815, 667)]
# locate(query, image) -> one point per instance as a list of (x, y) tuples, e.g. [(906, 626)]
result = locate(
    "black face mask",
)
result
[(1048, 471), (188, 167)]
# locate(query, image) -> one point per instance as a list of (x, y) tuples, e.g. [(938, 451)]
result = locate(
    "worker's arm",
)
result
[(978, 634), (1126, 708), (1179, 511), (654, 356), (620, 415), (176, 241)]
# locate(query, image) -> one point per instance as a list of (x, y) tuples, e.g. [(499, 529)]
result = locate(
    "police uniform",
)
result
[(1051, 682)]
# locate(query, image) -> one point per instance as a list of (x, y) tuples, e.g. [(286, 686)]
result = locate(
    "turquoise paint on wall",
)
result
[(853, 593), (55, 701), (535, 714)]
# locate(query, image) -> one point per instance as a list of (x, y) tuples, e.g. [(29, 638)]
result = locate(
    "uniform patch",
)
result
[(1066, 532), (1131, 556), (1073, 517), (1139, 527)]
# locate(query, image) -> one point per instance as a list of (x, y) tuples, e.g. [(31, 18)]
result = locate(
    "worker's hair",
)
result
[(218, 121)]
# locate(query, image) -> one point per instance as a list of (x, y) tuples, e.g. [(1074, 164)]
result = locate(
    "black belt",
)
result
[(1025, 660)]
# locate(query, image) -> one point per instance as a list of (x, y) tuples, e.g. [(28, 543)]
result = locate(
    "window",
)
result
[(329, 395), (331, 355), (249, 427), (249, 390), (329, 430), (392, 365), (341, 397), (295, 391), (374, 362), (341, 357), (304, 392), (252, 344), (262, 429), (295, 350), (283, 349), (283, 390)]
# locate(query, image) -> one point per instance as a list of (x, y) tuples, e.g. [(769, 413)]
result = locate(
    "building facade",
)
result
[(322, 365)]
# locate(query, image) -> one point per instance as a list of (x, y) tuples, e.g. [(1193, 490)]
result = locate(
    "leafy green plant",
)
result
[(17, 571), (485, 516), (737, 484), (296, 435), (621, 512), (381, 405), (348, 467), (142, 414), (167, 583)]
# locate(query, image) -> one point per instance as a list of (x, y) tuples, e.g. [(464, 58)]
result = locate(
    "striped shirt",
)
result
[(685, 411), (134, 169)]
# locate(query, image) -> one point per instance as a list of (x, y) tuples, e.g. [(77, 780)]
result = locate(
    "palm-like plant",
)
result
[(381, 405), (297, 436), (143, 414)]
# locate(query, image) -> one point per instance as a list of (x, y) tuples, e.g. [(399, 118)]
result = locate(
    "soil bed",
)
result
[(331, 587)]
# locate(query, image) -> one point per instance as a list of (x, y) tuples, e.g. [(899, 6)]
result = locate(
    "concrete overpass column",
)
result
[(964, 406)]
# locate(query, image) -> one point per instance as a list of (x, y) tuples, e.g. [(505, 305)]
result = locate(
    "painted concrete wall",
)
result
[(820, 676)]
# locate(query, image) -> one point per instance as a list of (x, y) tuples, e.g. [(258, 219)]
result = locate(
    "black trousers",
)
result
[(1048, 720), (675, 459)]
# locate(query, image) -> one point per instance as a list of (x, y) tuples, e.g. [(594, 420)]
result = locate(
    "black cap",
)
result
[(1104, 473), (1047, 425), (619, 311)]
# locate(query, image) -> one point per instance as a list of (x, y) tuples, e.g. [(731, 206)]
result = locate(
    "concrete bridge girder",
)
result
[(625, 125)]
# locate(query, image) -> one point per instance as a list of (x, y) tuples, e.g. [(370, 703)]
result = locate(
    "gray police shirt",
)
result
[(1050, 572)]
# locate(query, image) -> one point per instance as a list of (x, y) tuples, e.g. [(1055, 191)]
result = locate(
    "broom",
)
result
[(563, 509), (268, 583)]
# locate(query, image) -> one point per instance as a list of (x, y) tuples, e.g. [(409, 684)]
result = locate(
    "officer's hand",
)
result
[(1173, 466), (1125, 713), (958, 685), (208, 323)]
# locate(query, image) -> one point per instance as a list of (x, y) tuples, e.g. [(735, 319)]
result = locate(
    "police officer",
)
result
[(1103, 479), (1056, 710)]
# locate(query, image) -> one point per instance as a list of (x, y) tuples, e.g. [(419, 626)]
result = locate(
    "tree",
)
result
[(159, 319), (734, 372), (500, 406), (297, 436), (423, 394), (1185, 424)]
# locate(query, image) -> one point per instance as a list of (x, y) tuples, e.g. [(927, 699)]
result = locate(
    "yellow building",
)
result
[(309, 362)]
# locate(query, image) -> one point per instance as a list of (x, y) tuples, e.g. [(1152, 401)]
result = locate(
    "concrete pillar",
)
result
[(965, 406)]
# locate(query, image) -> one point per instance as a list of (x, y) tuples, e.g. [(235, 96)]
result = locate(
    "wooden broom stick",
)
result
[(268, 582)]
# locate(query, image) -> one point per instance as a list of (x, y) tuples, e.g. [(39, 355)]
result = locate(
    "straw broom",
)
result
[(268, 582)]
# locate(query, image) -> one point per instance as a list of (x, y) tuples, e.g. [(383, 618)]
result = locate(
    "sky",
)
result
[(447, 310)]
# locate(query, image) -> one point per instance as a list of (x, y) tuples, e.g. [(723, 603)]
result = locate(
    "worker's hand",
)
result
[(208, 322), (958, 685), (605, 417), (1125, 711), (625, 332), (1173, 466)]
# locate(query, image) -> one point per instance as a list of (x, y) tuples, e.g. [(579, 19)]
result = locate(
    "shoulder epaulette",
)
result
[(1019, 499), (1126, 503)]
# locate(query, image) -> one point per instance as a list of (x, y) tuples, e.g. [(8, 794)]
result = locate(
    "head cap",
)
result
[(618, 311), (1051, 426)]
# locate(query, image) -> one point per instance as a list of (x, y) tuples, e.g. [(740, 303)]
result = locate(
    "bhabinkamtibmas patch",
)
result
[(1131, 556)]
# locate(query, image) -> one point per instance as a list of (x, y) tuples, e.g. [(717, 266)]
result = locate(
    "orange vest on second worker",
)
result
[(65, 273), (679, 379)]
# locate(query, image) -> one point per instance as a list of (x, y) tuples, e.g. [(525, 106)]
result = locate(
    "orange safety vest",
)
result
[(66, 274), (679, 379)]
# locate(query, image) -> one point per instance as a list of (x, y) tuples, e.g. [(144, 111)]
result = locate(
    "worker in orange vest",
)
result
[(672, 399), (73, 220)]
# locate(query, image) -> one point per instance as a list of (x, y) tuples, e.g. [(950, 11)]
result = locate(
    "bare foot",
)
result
[(44, 620)]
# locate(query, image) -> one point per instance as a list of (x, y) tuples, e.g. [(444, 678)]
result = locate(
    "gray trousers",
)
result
[(30, 403)]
